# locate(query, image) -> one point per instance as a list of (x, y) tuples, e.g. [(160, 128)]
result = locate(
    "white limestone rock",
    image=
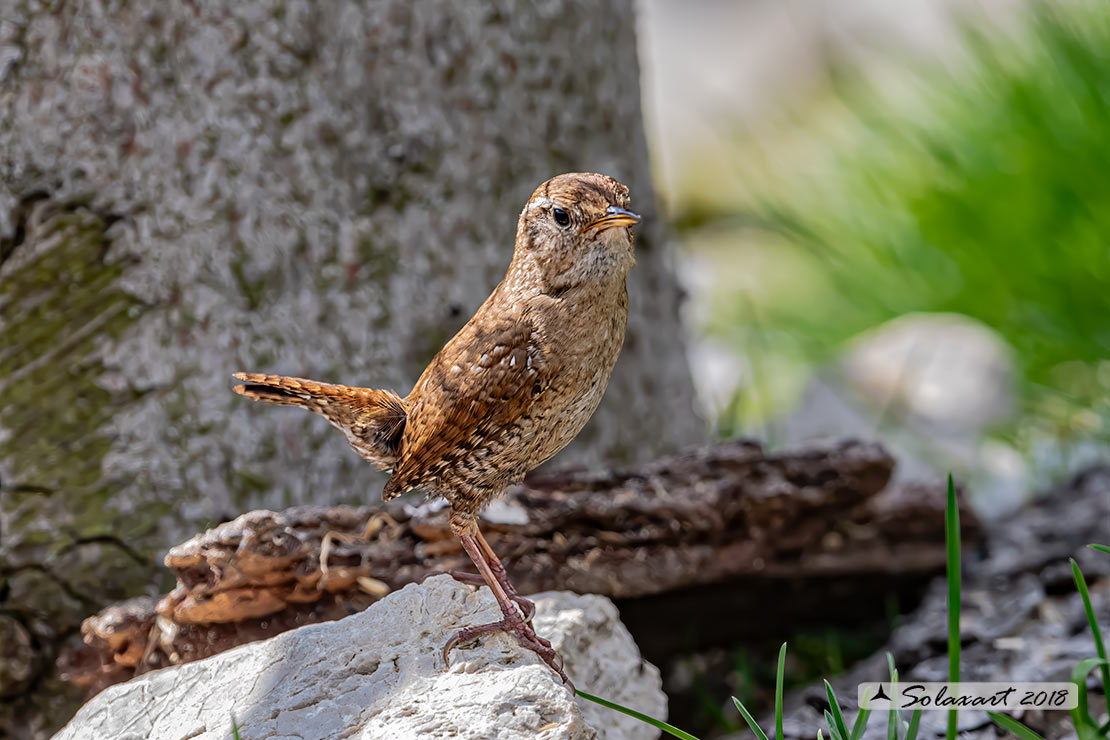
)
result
[(380, 674)]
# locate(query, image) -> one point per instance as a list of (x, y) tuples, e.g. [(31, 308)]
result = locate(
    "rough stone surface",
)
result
[(192, 188), (380, 674)]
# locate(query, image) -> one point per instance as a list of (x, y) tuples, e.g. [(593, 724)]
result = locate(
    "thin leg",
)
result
[(526, 607), (495, 564), (513, 620)]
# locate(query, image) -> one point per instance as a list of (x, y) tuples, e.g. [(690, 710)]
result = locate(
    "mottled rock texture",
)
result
[(380, 674), (192, 188)]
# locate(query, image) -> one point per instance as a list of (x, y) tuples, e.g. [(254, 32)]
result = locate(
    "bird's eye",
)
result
[(561, 217)]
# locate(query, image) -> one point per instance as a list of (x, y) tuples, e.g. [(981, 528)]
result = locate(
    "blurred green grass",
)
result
[(977, 187)]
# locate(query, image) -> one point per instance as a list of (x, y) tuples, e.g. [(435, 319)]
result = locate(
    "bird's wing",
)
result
[(470, 398)]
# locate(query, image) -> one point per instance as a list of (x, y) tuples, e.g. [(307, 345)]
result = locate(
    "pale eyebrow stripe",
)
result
[(540, 203)]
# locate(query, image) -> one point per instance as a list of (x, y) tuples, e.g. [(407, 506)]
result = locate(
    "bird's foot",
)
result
[(517, 622), (527, 608), (524, 635)]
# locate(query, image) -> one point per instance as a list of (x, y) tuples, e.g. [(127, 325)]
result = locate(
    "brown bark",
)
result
[(725, 514)]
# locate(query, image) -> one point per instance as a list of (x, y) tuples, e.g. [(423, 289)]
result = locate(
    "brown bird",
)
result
[(511, 389)]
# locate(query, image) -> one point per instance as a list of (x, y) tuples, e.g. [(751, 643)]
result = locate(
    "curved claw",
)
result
[(527, 608), (464, 636), (524, 635), (542, 648)]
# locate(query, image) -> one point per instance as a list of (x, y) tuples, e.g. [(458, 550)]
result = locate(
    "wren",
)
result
[(511, 389)]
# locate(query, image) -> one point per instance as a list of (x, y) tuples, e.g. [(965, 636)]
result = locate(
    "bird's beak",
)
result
[(613, 218)]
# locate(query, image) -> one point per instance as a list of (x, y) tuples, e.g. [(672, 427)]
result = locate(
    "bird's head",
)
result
[(576, 229)]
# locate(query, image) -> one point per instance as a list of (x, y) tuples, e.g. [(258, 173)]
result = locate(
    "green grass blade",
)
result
[(749, 719), (234, 729), (1100, 646), (915, 722), (952, 538), (860, 724), (656, 723), (838, 716), (1100, 548), (1012, 725), (1081, 715), (779, 673), (894, 717), (831, 724)]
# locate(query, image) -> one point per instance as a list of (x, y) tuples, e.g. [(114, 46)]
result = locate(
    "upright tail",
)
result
[(372, 420)]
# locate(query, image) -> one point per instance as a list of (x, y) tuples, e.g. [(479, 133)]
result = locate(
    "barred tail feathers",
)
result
[(373, 420), (278, 389)]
